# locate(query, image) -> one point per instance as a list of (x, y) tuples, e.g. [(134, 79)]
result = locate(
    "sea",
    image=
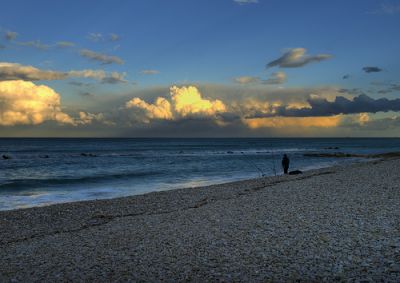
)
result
[(44, 171)]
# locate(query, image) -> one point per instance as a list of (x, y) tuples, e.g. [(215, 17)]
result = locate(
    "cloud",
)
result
[(86, 94), (276, 78), (184, 102), (372, 69), (161, 109), (14, 71), (35, 44), (244, 2), (297, 57), (103, 58), (387, 9), (293, 122), (2, 46), (24, 103), (341, 105), (345, 77), (114, 37), (11, 35), (247, 80), (95, 37), (65, 44), (149, 72), (114, 78)]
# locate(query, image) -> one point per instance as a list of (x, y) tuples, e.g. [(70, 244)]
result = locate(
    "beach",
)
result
[(333, 224)]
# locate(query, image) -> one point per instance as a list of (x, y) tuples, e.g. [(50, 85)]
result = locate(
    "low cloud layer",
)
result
[(341, 105), (14, 71), (297, 57), (99, 57)]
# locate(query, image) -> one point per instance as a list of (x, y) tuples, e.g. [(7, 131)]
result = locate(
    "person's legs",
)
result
[(285, 169)]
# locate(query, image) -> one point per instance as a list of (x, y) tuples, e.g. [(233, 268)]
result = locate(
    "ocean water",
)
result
[(47, 171)]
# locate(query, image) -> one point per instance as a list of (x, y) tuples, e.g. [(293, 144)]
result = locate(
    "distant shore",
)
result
[(328, 224)]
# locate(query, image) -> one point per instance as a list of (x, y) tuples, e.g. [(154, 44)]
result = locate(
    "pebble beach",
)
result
[(333, 224)]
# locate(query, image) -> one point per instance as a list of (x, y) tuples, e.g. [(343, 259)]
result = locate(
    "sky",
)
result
[(200, 68)]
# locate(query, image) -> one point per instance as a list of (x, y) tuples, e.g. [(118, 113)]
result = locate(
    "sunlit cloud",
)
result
[(102, 58), (24, 103), (184, 102), (293, 122), (297, 57), (14, 71)]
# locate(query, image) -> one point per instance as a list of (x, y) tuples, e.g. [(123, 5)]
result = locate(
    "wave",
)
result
[(22, 184)]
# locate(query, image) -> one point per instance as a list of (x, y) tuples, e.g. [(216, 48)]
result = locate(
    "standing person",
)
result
[(285, 163)]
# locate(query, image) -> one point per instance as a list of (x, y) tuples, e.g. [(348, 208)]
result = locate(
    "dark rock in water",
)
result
[(44, 156), (295, 172), (6, 156), (332, 147), (229, 152)]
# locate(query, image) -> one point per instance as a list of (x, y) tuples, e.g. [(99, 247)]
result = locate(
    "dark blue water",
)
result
[(45, 171)]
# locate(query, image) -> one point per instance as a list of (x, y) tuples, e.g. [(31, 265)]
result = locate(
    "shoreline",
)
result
[(222, 182), (231, 212)]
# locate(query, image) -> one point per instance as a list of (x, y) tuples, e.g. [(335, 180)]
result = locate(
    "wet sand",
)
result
[(332, 224)]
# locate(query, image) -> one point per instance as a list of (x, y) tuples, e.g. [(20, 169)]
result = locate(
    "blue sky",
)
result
[(203, 43)]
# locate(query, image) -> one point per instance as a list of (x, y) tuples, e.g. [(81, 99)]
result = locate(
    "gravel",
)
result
[(333, 224)]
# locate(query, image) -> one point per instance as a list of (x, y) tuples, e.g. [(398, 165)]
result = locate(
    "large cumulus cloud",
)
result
[(25, 103), (185, 101)]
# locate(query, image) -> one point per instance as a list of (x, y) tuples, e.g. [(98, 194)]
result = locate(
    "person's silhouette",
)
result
[(285, 163)]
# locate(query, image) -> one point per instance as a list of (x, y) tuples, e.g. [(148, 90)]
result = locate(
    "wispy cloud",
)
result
[(297, 57), (149, 72), (10, 35), (387, 9), (114, 37), (35, 44), (244, 2), (95, 37), (14, 71), (65, 44), (247, 80), (103, 58), (276, 78)]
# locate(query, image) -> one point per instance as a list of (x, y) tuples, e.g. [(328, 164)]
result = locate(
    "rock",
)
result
[(295, 172)]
